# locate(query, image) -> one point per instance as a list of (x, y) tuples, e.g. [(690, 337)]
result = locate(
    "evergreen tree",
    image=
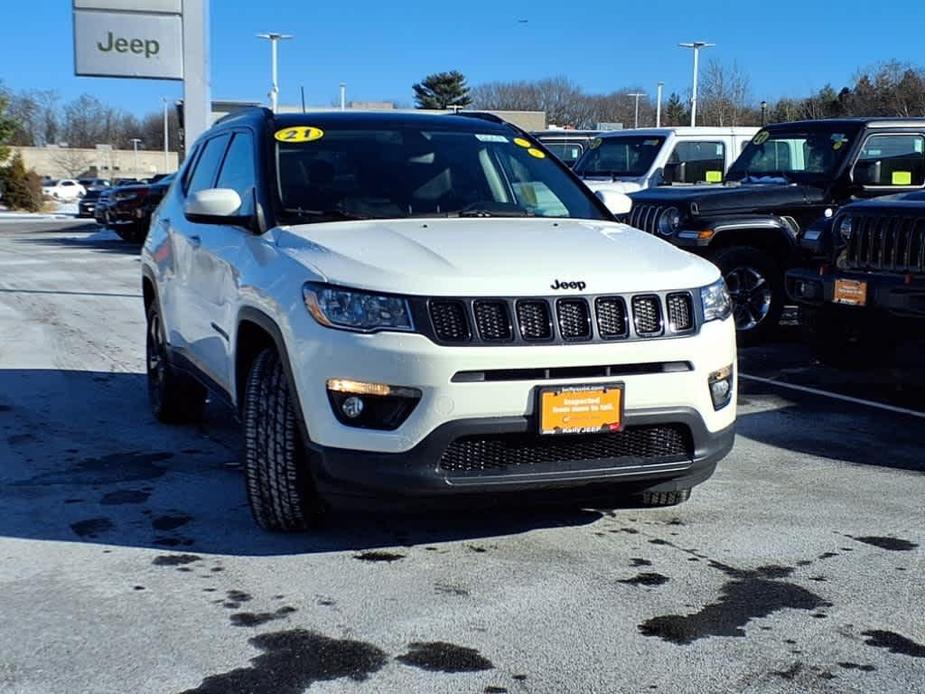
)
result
[(442, 90), (676, 113), (22, 190)]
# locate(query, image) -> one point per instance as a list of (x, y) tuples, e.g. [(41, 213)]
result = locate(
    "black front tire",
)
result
[(756, 284), (175, 397), (279, 483)]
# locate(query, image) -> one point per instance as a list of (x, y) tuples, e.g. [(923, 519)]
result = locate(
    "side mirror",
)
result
[(618, 203), (867, 173), (215, 206)]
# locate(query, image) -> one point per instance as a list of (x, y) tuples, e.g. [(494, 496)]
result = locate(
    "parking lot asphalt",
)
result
[(129, 561)]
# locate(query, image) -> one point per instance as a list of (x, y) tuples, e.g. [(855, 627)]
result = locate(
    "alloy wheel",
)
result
[(751, 296)]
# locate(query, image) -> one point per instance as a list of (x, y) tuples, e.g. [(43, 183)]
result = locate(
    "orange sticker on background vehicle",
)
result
[(299, 133), (522, 142), (533, 152)]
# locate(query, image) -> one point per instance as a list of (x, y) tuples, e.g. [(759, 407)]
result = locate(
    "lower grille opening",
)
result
[(660, 443)]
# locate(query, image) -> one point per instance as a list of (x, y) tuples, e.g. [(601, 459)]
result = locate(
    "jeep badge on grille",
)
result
[(559, 284)]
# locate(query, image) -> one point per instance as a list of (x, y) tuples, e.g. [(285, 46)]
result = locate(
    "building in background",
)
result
[(100, 162)]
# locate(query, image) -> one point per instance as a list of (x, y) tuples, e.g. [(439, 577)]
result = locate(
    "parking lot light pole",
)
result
[(343, 96), (636, 117), (135, 142), (166, 138), (658, 104), (274, 38), (695, 46)]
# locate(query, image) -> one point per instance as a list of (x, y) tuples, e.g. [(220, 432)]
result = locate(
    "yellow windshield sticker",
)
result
[(299, 133), (714, 176), (522, 142), (596, 142), (902, 178), (534, 152), (761, 137), (838, 144)]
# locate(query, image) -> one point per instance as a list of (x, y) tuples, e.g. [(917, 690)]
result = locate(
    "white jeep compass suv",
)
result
[(405, 307)]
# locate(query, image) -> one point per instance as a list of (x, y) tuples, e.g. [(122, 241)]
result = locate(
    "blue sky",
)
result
[(380, 48)]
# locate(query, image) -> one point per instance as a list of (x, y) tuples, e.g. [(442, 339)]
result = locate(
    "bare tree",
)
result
[(724, 95), (73, 162)]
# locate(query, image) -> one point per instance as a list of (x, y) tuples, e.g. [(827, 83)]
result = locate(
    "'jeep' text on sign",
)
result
[(114, 44)]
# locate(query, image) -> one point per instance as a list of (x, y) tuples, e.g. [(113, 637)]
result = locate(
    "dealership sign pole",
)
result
[(149, 39)]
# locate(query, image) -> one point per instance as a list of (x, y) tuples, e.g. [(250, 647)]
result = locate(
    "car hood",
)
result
[(715, 199), (618, 186), (491, 257)]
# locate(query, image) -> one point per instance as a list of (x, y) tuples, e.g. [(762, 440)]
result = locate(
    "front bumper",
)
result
[(893, 294), (352, 478)]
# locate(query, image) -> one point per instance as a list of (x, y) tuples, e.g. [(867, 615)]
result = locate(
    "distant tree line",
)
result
[(41, 118), (725, 99)]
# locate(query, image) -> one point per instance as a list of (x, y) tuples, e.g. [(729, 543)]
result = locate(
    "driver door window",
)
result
[(892, 160), (697, 162)]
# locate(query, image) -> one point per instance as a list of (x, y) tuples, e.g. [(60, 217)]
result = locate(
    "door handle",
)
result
[(195, 241)]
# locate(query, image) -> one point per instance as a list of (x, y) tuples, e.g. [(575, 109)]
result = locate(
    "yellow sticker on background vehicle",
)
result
[(299, 133), (902, 178), (837, 145), (714, 176), (761, 137), (522, 142), (596, 142), (534, 152)]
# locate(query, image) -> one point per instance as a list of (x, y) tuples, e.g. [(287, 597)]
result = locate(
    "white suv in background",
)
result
[(409, 307), (625, 161)]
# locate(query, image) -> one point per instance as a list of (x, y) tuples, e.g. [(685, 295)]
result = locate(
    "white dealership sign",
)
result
[(128, 44), (165, 6)]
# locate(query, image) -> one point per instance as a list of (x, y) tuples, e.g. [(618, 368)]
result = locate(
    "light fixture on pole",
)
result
[(135, 142), (764, 113), (343, 96), (658, 104), (636, 117), (695, 46), (166, 138), (274, 38)]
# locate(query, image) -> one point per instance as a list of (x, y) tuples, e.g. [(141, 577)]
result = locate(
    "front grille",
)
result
[(533, 319), (645, 217), (493, 321), (680, 311), (611, 317), (647, 314), (884, 242), (643, 444), (574, 319), (449, 319)]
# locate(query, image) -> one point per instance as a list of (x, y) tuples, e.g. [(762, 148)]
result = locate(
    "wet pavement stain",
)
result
[(175, 559), (17, 439), (635, 561), (440, 656), (491, 689), (124, 496), (92, 527), (894, 643), (790, 673), (238, 596), (168, 523), (646, 579), (294, 660), (449, 589), (109, 469), (379, 555), (253, 619), (893, 544), (749, 595)]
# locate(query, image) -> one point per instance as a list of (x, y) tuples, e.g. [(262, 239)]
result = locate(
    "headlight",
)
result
[(356, 310), (844, 228), (669, 221), (716, 302)]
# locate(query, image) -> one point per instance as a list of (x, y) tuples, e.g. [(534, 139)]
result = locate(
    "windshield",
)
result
[(789, 156), (403, 171), (626, 156)]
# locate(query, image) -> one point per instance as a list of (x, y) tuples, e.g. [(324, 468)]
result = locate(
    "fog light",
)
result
[(720, 383), (371, 405), (352, 407)]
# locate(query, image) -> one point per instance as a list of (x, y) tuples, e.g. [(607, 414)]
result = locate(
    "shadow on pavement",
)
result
[(834, 429), (84, 461), (88, 236)]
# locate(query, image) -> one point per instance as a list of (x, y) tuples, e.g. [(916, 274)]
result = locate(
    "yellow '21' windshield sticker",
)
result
[(761, 137), (299, 133)]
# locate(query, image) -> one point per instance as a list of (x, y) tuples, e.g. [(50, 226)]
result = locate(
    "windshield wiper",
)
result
[(325, 215), (494, 209)]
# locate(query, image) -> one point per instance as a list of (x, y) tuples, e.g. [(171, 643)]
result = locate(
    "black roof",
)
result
[(468, 121), (849, 123)]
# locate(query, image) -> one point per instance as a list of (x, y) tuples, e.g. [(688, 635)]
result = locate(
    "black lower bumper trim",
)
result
[(343, 475), (889, 293)]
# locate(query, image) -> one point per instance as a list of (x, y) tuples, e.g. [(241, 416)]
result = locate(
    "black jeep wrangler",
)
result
[(866, 292), (786, 178)]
